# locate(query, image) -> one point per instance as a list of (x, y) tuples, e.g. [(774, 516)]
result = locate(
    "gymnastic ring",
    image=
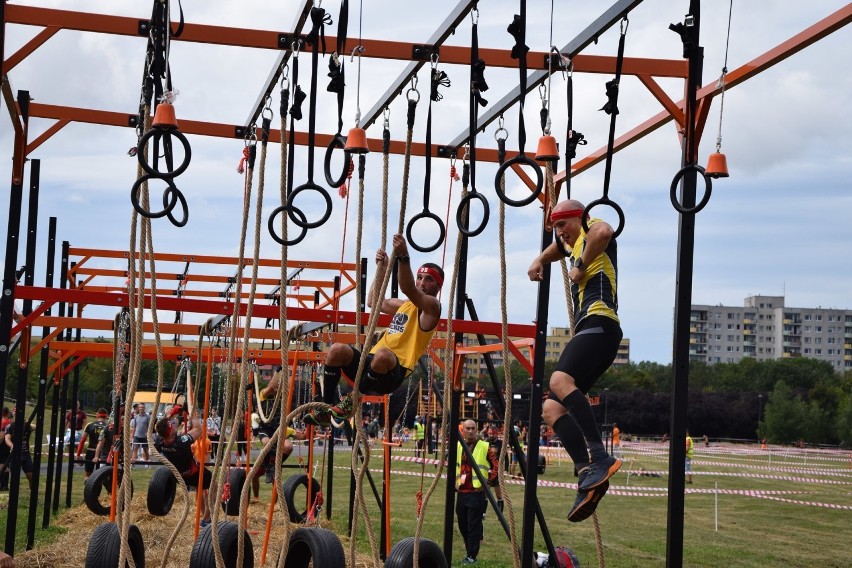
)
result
[(181, 199), (425, 214), (402, 554), (337, 141), (303, 222), (708, 188), (274, 235), (460, 214), (603, 201), (134, 197), (501, 171), (140, 154)]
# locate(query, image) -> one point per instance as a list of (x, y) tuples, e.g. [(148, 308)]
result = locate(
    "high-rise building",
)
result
[(764, 329)]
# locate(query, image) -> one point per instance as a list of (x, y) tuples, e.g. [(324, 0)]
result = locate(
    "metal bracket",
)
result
[(132, 120), (285, 41), (143, 28), (240, 132), (554, 61), (446, 151), (424, 52)]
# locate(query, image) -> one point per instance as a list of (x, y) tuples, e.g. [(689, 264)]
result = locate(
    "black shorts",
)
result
[(26, 462), (591, 351), (266, 430), (192, 480), (140, 441), (90, 460), (372, 382)]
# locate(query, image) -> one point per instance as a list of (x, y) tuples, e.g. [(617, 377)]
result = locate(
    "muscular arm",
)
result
[(430, 307), (597, 239), (551, 254), (272, 387)]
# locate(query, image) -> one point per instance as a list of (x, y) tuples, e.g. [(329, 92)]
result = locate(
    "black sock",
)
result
[(578, 405), (572, 440), (330, 378)]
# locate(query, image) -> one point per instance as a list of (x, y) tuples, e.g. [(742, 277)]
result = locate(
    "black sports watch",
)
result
[(578, 263), (405, 259)]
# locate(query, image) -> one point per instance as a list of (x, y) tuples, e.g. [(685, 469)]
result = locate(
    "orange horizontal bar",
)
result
[(171, 352), (383, 49), (171, 303), (492, 347), (210, 259), (190, 277)]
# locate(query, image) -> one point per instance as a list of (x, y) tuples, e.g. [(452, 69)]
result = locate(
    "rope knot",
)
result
[(226, 492), (298, 98), (241, 167), (419, 502), (611, 106), (454, 174)]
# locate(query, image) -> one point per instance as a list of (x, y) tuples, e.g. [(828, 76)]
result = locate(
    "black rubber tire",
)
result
[(161, 492), (402, 554), (203, 555), (320, 546), (542, 464), (236, 479), (98, 482), (105, 546), (291, 485)]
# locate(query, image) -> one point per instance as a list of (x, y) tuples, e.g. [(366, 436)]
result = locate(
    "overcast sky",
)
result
[(781, 224)]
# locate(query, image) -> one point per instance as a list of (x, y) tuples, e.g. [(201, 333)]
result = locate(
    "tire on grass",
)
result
[(320, 546), (291, 485), (542, 463), (236, 480), (105, 546), (203, 555), (99, 482), (402, 554), (161, 492)]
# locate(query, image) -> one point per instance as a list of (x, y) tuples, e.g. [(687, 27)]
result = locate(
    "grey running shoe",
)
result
[(598, 472)]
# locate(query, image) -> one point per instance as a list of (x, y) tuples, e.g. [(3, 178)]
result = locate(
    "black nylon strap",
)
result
[(317, 34), (518, 30), (612, 110)]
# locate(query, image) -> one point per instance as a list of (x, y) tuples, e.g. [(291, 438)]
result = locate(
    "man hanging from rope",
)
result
[(402, 344), (597, 335), (270, 422)]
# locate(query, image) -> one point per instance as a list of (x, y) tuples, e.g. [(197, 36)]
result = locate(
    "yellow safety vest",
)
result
[(419, 431), (480, 456)]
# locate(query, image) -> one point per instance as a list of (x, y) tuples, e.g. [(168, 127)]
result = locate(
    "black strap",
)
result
[(439, 79), (477, 86), (295, 114), (518, 30), (336, 71), (317, 34), (611, 108)]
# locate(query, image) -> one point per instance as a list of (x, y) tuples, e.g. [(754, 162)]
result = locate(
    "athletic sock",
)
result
[(572, 440), (330, 378), (578, 405)]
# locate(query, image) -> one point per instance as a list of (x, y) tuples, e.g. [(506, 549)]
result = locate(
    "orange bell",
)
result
[(164, 116), (547, 149), (356, 142), (717, 166)]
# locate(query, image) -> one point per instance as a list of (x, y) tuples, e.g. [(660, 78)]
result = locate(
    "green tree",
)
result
[(784, 418), (843, 422)]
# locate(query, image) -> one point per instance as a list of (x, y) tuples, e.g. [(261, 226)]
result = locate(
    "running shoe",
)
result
[(586, 502), (318, 418), (343, 409), (598, 472)]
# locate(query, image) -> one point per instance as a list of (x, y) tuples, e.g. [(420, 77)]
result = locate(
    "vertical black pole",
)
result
[(6, 309), (23, 377), (683, 297), (54, 413), (63, 403), (536, 392), (42, 391), (75, 407), (452, 457)]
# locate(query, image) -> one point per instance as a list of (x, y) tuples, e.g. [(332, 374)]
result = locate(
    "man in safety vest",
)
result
[(471, 502), (419, 436), (397, 351)]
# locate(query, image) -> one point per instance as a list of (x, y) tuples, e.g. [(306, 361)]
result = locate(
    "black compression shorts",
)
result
[(372, 382), (591, 351)]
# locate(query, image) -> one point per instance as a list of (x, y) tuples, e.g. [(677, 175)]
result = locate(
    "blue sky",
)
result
[(782, 222)]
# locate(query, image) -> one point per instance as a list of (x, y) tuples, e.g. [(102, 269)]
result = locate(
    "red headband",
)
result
[(431, 272), (556, 215), (102, 414)]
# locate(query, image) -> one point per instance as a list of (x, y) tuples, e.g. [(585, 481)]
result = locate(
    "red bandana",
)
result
[(431, 272), (556, 215)]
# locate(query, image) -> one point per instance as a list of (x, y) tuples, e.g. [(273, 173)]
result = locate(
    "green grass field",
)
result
[(774, 509)]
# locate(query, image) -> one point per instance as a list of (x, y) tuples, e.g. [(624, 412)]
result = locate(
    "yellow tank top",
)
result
[(404, 336)]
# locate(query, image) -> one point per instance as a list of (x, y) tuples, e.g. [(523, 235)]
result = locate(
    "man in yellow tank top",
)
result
[(405, 340), (597, 335)]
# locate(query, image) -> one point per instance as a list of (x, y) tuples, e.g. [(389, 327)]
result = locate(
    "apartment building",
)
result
[(765, 329)]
